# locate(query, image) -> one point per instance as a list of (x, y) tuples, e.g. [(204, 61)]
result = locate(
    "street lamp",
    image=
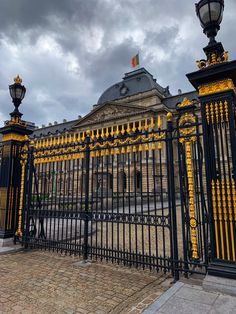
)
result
[(210, 14), (17, 92)]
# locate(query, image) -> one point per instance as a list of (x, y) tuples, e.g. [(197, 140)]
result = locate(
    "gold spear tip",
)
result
[(169, 116), (18, 80)]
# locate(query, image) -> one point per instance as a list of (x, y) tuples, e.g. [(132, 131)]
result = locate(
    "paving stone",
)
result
[(224, 304), (196, 295), (177, 305)]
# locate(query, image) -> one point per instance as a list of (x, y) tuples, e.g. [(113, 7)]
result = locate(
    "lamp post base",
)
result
[(6, 234), (222, 269), (7, 242)]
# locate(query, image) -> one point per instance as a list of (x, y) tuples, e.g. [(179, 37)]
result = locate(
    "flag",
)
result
[(135, 60)]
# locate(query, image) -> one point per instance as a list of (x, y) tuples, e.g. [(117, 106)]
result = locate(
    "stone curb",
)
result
[(9, 250), (155, 306)]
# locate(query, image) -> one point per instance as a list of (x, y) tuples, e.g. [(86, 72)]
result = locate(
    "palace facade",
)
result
[(132, 102)]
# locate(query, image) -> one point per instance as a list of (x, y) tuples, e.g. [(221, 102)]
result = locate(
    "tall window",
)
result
[(138, 180)]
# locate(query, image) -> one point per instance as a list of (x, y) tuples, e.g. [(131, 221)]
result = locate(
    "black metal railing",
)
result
[(123, 196)]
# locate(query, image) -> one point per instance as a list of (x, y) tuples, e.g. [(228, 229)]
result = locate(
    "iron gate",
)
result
[(131, 194)]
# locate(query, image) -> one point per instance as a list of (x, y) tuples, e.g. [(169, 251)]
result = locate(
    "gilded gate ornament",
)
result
[(187, 131), (216, 87), (186, 124), (213, 60), (185, 103), (224, 204)]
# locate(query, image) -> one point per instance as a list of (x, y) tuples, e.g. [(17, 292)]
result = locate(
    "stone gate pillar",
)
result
[(215, 82), (14, 135)]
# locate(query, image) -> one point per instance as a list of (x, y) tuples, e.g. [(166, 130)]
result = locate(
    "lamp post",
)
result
[(17, 92), (14, 136), (215, 82), (210, 14)]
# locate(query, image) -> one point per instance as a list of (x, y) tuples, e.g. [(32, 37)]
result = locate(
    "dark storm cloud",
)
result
[(69, 51)]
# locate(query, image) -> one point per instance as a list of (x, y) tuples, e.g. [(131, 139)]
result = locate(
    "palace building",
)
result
[(134, 100)]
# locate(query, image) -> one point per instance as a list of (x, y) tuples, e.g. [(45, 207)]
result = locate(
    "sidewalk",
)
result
[(187, 298)]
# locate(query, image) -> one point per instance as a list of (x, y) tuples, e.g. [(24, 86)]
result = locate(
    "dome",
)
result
[(135, 82)]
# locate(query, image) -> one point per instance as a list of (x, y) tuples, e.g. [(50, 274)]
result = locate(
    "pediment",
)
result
[(107, 112)]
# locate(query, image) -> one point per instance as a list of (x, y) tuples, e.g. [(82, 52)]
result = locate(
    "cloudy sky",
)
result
[(69, 51)]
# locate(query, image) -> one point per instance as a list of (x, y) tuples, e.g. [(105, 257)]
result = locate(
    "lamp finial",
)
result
[(18, 80)]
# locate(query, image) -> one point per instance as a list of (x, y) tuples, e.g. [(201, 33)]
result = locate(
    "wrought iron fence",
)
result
[(130, 194)]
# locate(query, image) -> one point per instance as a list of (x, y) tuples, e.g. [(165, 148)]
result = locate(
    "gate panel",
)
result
[(192, 187), (55, 199), (129, 199), (130, 194)]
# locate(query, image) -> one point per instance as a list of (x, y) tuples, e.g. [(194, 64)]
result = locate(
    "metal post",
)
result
[(172, 200), (28, 195), (86, 202), (216, 87)]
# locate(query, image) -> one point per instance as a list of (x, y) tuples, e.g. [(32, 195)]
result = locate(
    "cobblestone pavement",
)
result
[(42, 282)]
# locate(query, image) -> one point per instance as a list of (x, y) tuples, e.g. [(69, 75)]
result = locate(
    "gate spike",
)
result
[(92, 135), (140, 126), (70, 138), (128, 129), (112, 131), (159, 122), (122, 129), (146, 125), (152, 123), (117, 130), (226, 111)]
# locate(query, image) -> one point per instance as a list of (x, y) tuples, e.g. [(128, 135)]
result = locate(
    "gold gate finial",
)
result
[(185, 103), (169, 116)]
